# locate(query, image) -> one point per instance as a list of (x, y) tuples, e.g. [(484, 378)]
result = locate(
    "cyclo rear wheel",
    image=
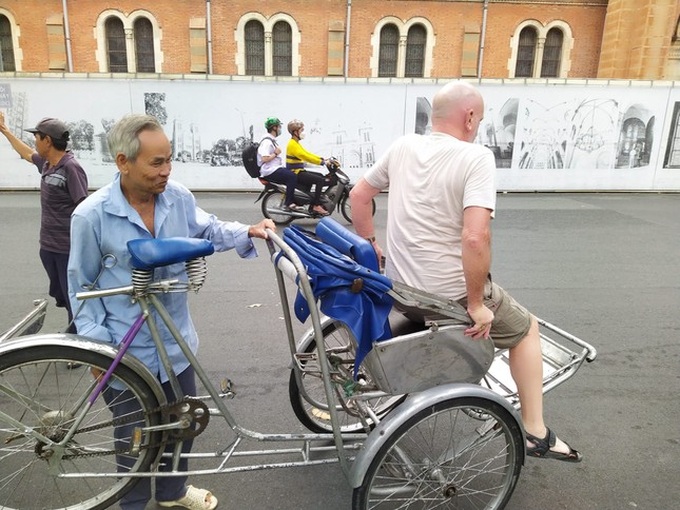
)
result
[(309, 403), (38, 389), (446, 456)]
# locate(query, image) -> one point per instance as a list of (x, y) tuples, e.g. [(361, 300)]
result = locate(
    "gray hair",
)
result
[(124, 135)]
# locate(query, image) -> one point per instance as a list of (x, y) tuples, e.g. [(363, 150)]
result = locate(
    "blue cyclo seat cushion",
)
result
[(150, 253)]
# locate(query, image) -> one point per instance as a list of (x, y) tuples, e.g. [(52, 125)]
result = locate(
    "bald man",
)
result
[(442, 197)]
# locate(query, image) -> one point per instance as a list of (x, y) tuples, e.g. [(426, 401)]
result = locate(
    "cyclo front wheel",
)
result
[(463, 453), (41, 392), (272, 208), (309, 402)]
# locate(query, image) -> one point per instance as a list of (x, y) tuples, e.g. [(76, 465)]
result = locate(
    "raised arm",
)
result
[(19, 146)]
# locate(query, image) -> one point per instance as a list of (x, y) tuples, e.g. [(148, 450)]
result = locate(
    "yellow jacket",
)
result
[(297, 155)]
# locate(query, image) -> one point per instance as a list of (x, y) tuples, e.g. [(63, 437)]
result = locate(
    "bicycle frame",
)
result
[(148, 301)]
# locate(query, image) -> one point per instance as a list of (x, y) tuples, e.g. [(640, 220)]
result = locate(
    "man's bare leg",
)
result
[(526, 367)]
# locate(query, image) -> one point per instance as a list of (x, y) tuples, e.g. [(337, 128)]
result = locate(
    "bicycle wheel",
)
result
[(272, 208), (346, 208), (311, 407), (38, 390), (443, 457)]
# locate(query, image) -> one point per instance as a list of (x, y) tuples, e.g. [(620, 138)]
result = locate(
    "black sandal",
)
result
[(542, 448)]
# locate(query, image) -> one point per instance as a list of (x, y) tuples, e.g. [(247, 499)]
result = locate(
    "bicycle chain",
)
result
[(167, 410)]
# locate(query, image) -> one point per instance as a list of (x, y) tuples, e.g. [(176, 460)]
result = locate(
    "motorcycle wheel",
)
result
[(346, 208), (272, 208)]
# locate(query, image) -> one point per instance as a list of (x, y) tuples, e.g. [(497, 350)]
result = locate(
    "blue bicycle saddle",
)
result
[(150, 253)]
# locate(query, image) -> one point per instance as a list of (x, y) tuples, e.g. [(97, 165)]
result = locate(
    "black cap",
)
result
[(54, 128)]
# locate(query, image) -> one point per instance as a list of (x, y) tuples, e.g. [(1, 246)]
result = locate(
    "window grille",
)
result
[(143, 30), (552, 54), (115, 45), (6, 45), (389, 48), (525, 53), (415, 51), (254, 35), (282, 37)]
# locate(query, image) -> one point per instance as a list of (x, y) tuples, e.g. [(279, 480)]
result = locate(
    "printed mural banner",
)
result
[(568, 136)]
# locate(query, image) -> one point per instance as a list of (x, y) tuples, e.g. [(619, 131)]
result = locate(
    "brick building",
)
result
[(632, 39)]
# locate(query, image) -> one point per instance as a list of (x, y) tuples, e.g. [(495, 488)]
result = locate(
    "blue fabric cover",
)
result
[(347, 242), (331, 276)]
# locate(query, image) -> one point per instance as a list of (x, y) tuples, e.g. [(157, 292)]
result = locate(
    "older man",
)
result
[(442, 198), (142, 202)]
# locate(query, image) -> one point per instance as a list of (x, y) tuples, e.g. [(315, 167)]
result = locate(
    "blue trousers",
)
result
[(56, 267), (122, 403), (284, 176)]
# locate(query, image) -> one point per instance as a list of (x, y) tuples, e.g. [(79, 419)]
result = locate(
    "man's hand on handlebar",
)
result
[(260, 230)]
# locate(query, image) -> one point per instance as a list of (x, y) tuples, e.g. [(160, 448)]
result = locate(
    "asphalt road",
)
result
[(601, 266)]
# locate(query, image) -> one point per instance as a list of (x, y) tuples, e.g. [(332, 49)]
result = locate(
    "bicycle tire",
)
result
[(272, 203), (346, 208), (38, 389), (311, 407), (438, 458)]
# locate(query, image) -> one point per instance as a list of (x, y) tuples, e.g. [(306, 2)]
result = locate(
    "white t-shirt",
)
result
[(266, 148), (431, 179)]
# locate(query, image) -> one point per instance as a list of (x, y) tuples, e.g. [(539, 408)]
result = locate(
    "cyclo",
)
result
[(428, 419)]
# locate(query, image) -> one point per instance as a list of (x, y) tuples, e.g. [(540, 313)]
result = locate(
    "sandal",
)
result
[(319, 209), (194, 499), (542, 448)]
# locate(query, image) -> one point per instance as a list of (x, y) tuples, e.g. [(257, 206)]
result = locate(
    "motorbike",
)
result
[(334, 196)]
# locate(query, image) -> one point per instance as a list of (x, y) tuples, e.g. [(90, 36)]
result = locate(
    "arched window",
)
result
[(6, 46), (525, 53), (415, 51), (282, 50), (254, 36), (389, 51), (552, 54), (143, 30), (115, 45)]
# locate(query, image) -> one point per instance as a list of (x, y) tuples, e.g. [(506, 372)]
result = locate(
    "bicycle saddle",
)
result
[(150, 253)]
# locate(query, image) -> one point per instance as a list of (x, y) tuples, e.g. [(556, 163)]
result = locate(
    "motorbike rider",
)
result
[(297, 156), (271, 162)]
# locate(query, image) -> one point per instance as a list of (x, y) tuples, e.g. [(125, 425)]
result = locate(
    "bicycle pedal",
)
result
[(227, 388), (136, 441)]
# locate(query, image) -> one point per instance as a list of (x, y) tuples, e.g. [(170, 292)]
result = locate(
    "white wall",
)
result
[(548, 135)]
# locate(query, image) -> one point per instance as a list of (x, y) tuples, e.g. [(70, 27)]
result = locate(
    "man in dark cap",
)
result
[(63, 186)]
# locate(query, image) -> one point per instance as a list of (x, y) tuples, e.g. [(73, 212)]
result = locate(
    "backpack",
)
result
[(249, 156)]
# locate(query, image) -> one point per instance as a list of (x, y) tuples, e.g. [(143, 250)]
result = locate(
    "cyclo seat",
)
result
[(406, 356), (148, 254)]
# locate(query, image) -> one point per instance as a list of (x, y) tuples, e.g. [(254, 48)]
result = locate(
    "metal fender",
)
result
[(412, 405), (85, 344)]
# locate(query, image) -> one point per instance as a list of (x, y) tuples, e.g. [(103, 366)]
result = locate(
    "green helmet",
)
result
[(271, 122)]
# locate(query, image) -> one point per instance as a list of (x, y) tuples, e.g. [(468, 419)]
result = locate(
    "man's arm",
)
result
[(84, 265), (476, 247), (22, 149), (361, 200)]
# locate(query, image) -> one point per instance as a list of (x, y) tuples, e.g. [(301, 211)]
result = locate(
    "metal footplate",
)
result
[(563, 355)]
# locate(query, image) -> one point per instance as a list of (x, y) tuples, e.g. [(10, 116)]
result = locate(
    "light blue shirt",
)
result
[(103, 224)]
